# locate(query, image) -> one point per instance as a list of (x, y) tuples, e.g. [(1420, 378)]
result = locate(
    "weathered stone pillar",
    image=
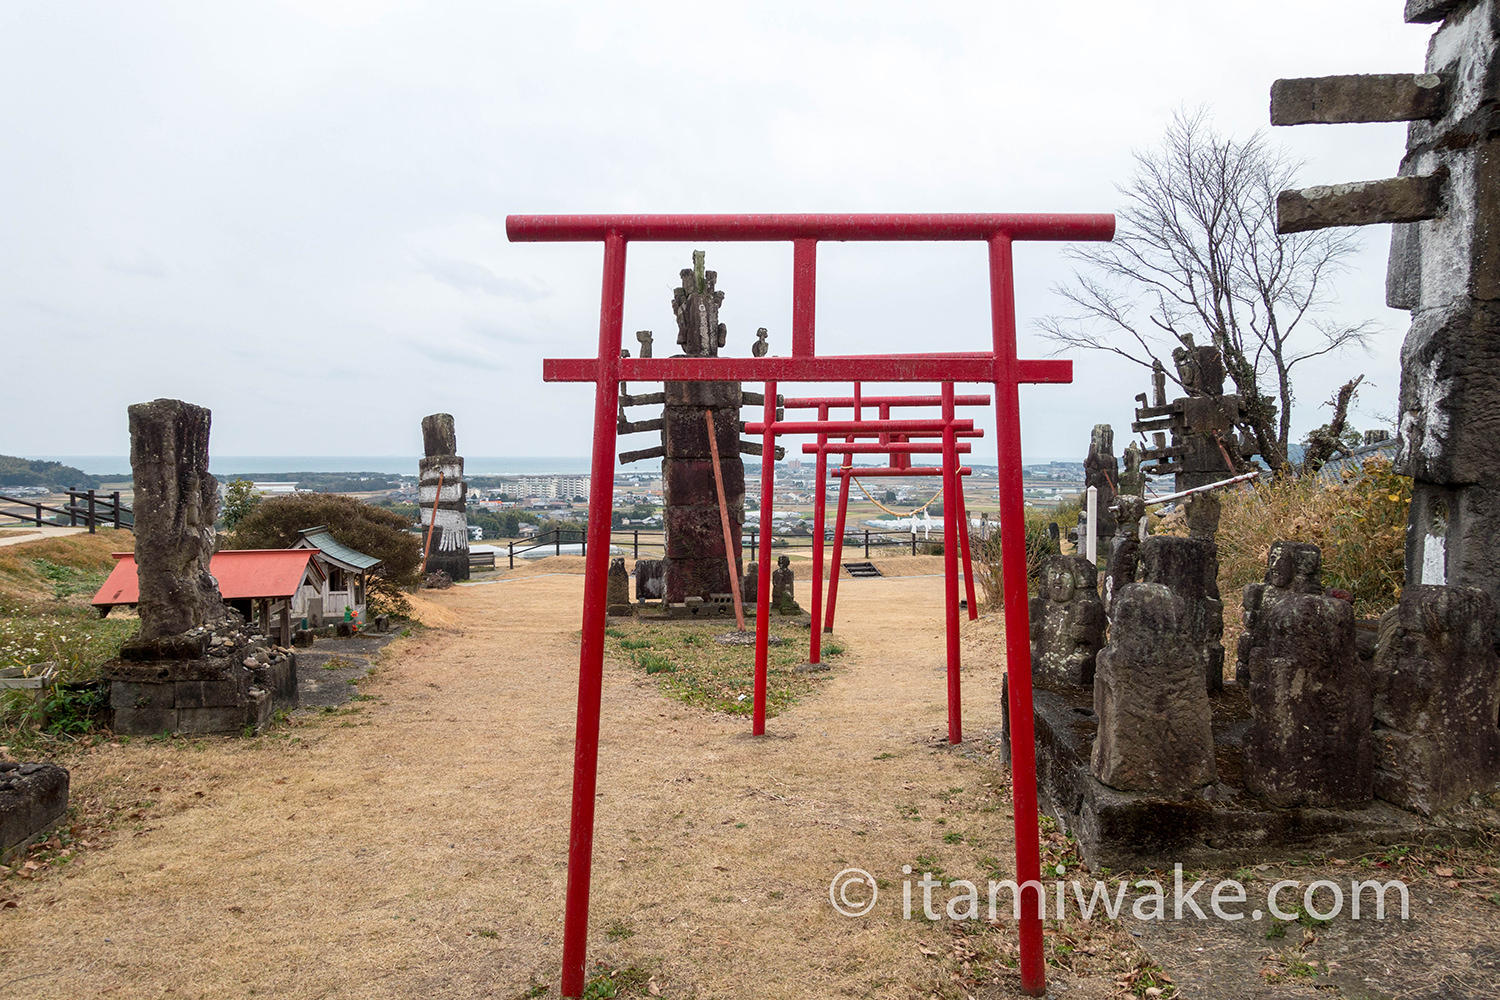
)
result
[(1102, 471), (1437, 698), (617, 596), (449, 550), (176, 503), (1190, 567), (1067, 623), (1154, 718), (193, 668), (1309, 742)]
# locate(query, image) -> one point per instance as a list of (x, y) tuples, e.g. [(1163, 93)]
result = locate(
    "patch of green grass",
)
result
[(69, 580), (928, 863), (699, 671), (74, 638), (833, 649), (953, 837), (1275, 931), (619, 931), (655, 663)]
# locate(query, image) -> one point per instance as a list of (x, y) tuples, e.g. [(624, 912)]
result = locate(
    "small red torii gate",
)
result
[(894, 442), (999, 366)]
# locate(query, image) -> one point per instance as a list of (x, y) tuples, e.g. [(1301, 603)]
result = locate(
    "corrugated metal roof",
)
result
[(340, 555), (242, 574)]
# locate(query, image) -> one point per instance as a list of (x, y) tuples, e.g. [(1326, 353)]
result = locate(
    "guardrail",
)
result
[(90, 508)]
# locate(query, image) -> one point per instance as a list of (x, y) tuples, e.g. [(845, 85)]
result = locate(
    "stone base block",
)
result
[(620, 610), (302, 637), (279, 678), (212, 695), (33, 798), (1216, 825)]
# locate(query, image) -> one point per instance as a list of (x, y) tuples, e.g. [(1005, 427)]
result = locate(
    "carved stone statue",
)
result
[(760, 347), (1154, 718), (1437, 698), (696, 306), (783, 597), (1309, 742), (1067, 623), (617, 595), (1190, 567)]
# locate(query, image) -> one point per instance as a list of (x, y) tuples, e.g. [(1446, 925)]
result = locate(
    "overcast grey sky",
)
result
[(293, 213)]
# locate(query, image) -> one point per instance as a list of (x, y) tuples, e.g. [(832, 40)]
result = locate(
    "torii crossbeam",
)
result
[(998, 366)]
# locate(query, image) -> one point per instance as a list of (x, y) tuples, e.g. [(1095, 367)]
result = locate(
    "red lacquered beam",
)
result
[(876, 448), (761, 228), (913, 426), (835, 368), (813, 402), (877, 471)]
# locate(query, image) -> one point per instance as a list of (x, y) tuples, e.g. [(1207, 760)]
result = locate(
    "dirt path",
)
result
[(414, 844)]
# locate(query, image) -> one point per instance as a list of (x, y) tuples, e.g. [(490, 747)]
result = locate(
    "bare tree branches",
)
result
[(1196, 259)]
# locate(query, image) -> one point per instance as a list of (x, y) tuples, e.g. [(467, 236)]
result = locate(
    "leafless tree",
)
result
[(1196, 259)]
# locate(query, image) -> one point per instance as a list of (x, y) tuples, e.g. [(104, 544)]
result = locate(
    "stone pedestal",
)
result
[(199, 682)]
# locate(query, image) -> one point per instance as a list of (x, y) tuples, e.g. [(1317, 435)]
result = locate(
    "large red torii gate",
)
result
[(999, 366)]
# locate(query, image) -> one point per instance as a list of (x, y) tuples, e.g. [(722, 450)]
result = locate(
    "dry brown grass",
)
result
[(20, 577), (1359, 523), (415, 843)]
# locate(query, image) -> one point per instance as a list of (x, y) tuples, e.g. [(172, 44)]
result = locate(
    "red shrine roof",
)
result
[(242, 573)]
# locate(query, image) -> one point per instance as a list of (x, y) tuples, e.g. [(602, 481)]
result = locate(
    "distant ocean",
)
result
[(405, 465)]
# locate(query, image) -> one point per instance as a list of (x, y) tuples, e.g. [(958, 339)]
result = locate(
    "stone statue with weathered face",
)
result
[(696, 306), (1067, 623)]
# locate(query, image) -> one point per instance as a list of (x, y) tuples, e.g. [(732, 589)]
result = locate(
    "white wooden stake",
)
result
[(1092, 544)]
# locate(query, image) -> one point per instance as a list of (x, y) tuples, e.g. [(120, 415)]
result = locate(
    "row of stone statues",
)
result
[(1412, 718)]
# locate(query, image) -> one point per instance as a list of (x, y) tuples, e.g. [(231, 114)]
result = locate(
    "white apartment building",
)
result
[(553, 487)]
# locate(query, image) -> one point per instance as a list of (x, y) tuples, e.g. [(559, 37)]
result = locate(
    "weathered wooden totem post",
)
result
[(442, 495)]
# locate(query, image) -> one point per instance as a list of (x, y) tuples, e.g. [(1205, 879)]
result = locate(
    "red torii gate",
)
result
[(895, 443), (999, 366)]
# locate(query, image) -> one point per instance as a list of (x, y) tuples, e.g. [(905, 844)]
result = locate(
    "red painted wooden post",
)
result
[(1017, 619), (968, 562), (763, 578), (591, 655), (950, 568), (820, 519), (804, 297)]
